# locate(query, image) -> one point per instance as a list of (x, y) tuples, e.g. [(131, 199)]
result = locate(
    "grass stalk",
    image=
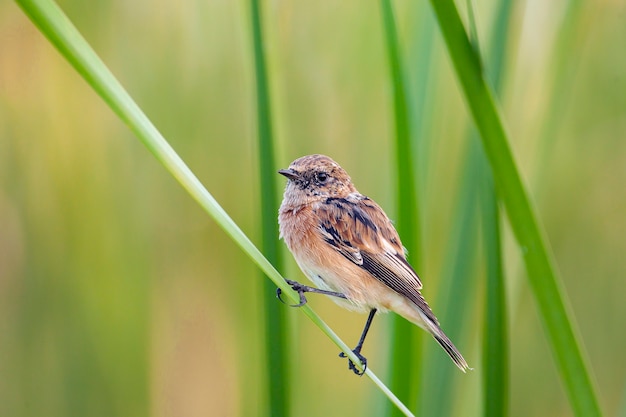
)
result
[(495, 345), (563, 68), (456, 298), (276, 341), (404, 350), (495, 353), (59, 30), (545, 284), (423, 77)]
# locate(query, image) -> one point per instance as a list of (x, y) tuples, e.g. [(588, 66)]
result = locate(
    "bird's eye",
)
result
[(321, 177)]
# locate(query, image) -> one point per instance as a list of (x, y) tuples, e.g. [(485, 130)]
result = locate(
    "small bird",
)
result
[(345, 244)]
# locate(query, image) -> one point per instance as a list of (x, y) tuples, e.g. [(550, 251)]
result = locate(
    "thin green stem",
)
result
[(403, 351), (457, 295), (495, 357), (276, 340), (495, 341), (563, 68)]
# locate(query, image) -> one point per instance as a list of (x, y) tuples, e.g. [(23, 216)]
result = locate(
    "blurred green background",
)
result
[(119, 296)]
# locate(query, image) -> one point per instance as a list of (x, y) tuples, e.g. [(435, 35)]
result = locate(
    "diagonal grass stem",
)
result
[(60, 31)]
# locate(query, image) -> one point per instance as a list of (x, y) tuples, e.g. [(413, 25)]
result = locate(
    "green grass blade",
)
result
[(498, 44), (495, 342), (457, 296), (404, 352), (495, 346), (276, 340), (544, 281), (563, 69), (456, 281), (495, 365), (423, 79), (53, 23)]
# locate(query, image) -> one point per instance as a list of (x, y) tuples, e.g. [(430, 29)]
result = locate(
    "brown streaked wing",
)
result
[(358, 230)]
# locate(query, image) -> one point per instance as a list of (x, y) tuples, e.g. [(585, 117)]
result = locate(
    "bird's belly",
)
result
[(356, 284)]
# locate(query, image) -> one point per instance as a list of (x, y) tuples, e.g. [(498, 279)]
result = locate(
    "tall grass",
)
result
[(404, 349), (495, 357), (542, 275), (489, 181), (562, 71), (458, 294), (276, 340)]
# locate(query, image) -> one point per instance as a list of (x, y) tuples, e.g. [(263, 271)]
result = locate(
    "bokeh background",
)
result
[(120, 296)]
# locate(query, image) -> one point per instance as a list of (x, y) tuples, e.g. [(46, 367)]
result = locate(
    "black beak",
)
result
[(289, 173)]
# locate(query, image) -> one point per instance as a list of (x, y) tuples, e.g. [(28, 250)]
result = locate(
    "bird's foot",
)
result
[(297, 287), (351, 365), (301, 289)]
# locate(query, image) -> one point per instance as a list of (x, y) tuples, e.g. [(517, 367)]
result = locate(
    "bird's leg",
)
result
[(359, 346), (301, 289)]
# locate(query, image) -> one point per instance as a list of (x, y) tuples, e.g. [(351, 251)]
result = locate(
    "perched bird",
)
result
[(345, 243)]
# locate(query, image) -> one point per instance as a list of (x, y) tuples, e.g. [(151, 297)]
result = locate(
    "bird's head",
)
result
[(315, 177)]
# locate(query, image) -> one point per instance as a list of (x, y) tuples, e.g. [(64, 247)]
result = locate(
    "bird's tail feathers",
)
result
[(447, 345)]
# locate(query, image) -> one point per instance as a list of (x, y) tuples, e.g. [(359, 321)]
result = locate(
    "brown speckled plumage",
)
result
[(344, 242)]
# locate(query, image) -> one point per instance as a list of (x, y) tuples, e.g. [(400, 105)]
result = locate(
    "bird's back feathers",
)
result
[(353, 227)]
